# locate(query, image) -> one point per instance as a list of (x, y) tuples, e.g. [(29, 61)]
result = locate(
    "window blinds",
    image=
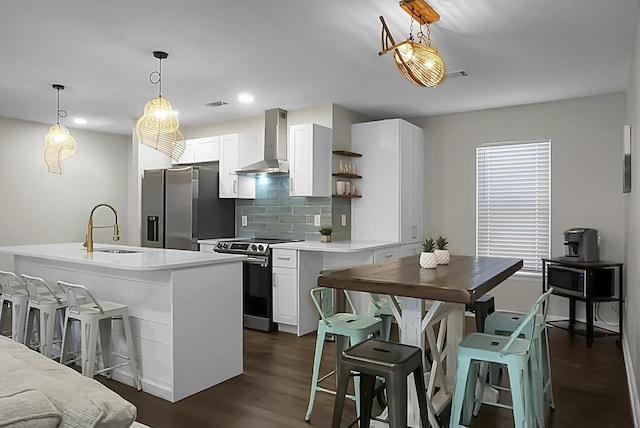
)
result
[(513, 201)]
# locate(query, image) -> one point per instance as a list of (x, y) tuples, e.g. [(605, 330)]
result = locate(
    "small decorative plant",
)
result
[(326, 230), (325, 233), (441, 243), (428, 245), (441, 252), (427, 257)]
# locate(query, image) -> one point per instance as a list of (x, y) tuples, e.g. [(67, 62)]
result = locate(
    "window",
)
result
[(513, 201)]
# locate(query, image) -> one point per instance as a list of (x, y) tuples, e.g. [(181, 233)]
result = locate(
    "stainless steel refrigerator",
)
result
[(181, 205)]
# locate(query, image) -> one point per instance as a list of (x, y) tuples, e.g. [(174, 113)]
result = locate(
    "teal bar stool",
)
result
[(379, 307), (45, 312), (505, 323), (515, 352), (13, 303), (355, 328)]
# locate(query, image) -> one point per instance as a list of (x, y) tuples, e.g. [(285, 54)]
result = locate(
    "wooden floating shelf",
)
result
[(345, 175), (347, 153), (347, 196)]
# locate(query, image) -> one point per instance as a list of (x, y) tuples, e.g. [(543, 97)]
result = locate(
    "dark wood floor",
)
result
[(590, 389)]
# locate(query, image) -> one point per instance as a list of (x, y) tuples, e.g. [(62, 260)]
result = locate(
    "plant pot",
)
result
[(428, 260), (442, 256), (325, 238)]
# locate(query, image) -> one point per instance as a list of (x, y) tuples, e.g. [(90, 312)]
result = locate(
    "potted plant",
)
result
[(441, 251), (427, 257), (325, 233)]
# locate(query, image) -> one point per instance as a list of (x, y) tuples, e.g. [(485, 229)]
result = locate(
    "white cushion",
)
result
[(28, 409), (81, 402)]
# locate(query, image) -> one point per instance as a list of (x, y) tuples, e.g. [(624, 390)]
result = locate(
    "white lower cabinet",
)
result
[(285, 296), (295, 273)]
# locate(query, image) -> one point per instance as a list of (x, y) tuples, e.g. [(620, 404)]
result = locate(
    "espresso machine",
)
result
[(581, 245)]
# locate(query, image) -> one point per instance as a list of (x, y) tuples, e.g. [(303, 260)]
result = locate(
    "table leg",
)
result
[(572, 313), (589, 306), (412, 327)]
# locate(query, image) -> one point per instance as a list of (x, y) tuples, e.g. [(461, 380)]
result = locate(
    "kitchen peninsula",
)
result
[(185, 307)]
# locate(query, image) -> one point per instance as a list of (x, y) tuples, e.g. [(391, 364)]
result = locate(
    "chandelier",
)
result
[(418, 61), (58, 143), (158, 126)]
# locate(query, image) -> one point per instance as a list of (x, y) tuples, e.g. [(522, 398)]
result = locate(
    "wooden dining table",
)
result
[(428, 305)]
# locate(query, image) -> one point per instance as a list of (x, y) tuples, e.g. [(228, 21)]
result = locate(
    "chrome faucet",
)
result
[(116, 232)]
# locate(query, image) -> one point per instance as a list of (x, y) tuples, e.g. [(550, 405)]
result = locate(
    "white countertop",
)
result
[(335, 247), (146, 259)]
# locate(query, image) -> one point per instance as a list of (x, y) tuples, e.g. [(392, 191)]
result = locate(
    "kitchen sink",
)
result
[(117, 251)]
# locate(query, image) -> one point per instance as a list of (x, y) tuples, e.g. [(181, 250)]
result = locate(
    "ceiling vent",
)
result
[(217, 104), (457, 73)]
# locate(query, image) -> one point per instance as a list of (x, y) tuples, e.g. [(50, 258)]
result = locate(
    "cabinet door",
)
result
[(206, 149), (236, 151), (285, 296), (228, 163), (309, 154), (378, 211), (411, 182), (417, 188)]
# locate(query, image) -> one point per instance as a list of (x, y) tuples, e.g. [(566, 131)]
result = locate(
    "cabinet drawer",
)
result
[(285, 258), (206, 248), (385, 254)]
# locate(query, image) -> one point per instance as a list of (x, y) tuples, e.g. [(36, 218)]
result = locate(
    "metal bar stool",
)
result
[(95, 319), (45, 312), (505, 323), (355, 328), (515, 352), (392, 361), (13, 302)]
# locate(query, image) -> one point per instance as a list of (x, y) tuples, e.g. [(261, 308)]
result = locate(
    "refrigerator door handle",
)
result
[(152, 228)]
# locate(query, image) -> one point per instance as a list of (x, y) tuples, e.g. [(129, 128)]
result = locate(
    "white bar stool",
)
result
[(45, 312), (94, 316), (13, 302)]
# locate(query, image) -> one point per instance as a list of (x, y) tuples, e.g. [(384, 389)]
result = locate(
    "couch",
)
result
[(37, 392)]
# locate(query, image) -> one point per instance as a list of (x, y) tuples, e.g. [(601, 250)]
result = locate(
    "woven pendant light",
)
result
[(419, 62), (58, 143), (158, 127)]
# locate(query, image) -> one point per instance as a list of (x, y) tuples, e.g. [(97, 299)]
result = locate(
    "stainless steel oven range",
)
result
[(256, 279)]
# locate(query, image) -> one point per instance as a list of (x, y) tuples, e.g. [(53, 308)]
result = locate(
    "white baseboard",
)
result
[(631, 380)]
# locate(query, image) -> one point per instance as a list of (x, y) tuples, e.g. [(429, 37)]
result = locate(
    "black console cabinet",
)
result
[(596, 289)]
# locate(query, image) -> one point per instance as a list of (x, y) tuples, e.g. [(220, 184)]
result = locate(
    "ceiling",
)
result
[(294, 54)]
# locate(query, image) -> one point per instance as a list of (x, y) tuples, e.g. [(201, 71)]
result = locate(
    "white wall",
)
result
[(586, 158), (40, 207), (632, 200)]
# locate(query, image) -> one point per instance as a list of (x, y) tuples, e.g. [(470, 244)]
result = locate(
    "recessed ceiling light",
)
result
[(245, 98), (79, 121)]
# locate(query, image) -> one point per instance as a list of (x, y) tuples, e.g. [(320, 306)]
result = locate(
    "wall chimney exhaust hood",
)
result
[(275, 146)]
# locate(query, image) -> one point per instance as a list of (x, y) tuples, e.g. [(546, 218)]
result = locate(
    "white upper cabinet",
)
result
[(309, 156), (236, 151), (206, 149), (392, 205)]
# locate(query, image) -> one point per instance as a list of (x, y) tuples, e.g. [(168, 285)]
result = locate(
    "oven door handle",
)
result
[(262, 261)]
